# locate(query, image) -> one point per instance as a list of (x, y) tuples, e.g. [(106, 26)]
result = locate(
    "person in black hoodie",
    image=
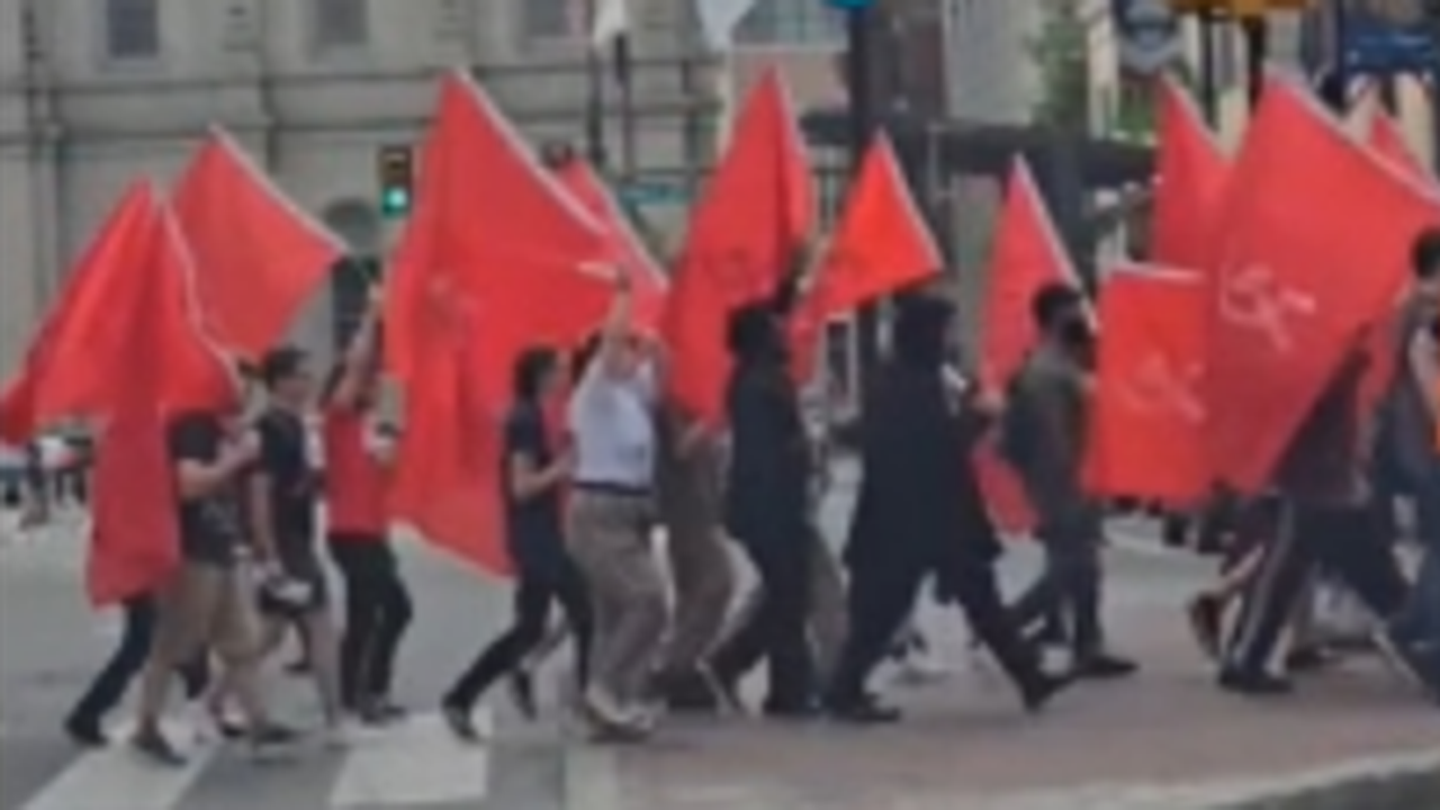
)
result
[(920, 513), (767, 505)]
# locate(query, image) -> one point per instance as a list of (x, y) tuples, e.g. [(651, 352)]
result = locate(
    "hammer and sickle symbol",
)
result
[(1251, 297)]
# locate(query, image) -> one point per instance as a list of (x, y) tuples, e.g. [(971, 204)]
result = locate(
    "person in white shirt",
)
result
[(609, 520)]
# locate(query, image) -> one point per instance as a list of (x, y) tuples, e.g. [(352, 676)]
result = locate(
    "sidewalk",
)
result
[(1167, 736)]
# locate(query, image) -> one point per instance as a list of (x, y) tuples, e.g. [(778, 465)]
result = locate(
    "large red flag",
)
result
[(650, 284), (70, 368), (881, 244), (757, 211), (258, 256), (1147, 420), (1299, 280), (507, 265), (522, 249), (1192, 169), (1026, 256)]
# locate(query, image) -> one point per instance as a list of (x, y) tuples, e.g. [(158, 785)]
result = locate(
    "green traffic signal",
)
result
[(395, 202)]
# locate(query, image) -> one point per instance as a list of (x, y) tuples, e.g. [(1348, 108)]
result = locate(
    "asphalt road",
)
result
[(51, 643)]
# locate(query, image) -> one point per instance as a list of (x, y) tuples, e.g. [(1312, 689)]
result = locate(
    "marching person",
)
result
[(1048, 403), (610, 517), (689, 495), (378, 607), (205, 606), (920, 512), (767, 507), (283, 489), (534, 473)]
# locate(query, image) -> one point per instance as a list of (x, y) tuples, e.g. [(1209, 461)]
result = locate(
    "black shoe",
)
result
[(690, 693), (460, 723), (1254, 684), (1103, 667), (85, 732), (522, 693), (153, 745), (1307, 659), (1205, 614), (791, 709), (1040, 690), (268, 736), (866, 711), (379, 712)]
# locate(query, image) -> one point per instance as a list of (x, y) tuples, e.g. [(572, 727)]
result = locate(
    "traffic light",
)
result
[(396, 169)]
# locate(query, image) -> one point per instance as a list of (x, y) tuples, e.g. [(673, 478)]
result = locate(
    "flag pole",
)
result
[(595, 107)]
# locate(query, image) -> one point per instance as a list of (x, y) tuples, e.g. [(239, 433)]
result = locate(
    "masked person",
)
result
[(767, 500), (1044, 437), (920, 513), (378, 607), (534, 472)]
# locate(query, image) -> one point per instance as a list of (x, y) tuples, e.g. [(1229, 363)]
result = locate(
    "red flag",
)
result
[(1299, 281), (520, 249), (1026, 256), (1147, 421), (504, 265), (881, 245), (1192, 170), (627, 249), (757, 211), (70, 368), (258, 256)]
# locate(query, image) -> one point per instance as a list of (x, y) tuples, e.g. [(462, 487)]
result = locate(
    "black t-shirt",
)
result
[(532, 524), (210, 526), (285, 461)]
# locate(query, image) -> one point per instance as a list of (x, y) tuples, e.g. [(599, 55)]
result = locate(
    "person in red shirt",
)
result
[(377, 603)]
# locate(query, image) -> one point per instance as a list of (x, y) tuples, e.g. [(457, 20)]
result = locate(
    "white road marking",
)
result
[(415, 762), (115, 776)]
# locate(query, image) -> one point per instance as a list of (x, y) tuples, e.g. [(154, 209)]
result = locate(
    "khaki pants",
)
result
[(609, 539), (205, 607)]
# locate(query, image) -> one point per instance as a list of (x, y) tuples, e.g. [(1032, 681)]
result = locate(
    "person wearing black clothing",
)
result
[(85, 723), (920, 512), (533, 472), (767, 506), (283, 493)]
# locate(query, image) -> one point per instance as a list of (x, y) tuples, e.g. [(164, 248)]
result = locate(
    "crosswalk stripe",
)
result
[(106, 779), (417, 762)]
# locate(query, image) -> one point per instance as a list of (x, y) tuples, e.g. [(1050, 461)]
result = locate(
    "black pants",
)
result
[(136, 640), (881, 599), (1347, 542), (377, 612), (778, 632), (539, 587)]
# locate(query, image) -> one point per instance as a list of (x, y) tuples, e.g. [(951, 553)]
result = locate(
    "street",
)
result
[(964, 737)]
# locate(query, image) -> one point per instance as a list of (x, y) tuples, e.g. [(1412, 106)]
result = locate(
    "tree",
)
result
[(1061, 53)]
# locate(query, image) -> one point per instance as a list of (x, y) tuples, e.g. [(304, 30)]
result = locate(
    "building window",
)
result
[(791, 22), (132, 29), (341, 24), (553, 19)]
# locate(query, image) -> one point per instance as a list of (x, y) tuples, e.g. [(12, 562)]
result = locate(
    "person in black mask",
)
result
[(766, 505), (921, 513), (1044, 438)]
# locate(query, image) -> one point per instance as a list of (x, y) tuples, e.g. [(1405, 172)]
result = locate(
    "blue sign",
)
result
[(850, 5), (1388, 36)]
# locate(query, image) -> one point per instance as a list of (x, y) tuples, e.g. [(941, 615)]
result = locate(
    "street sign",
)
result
[(1389, 36), (642, 193), (850, 5), (1148, 34)]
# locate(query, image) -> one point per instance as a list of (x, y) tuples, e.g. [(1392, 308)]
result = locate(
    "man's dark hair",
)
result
[(922, 324), (1052, 303), (557, 155), (531, 368), (752, 332), (1425, 254), (280, 364)]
